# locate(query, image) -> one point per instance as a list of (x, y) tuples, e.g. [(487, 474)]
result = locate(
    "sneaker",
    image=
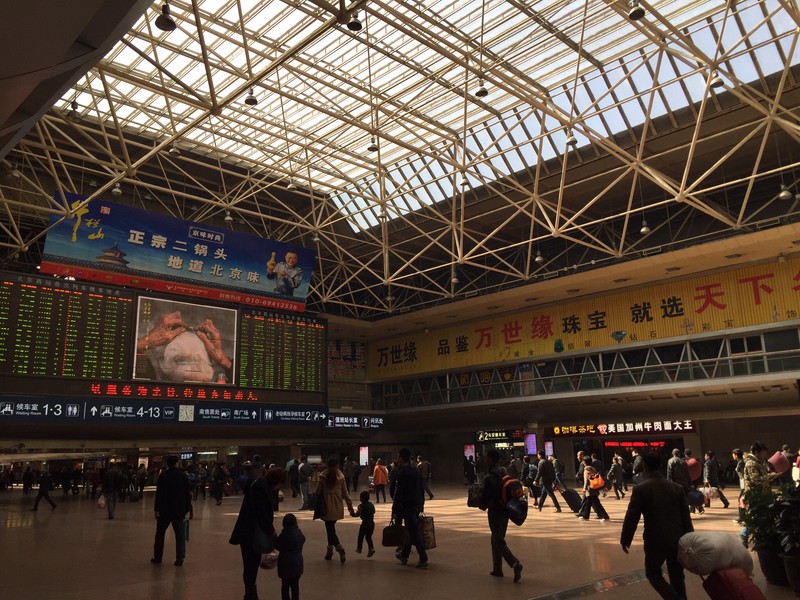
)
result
[(370, 552), (401, 558), (517, 572), (583, 518), (423, 564)]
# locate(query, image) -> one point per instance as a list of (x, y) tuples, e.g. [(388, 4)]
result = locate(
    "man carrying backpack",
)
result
[(492, 501)]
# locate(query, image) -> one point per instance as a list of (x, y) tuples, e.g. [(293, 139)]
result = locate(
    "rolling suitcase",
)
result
[(572, 498), (732, 584)]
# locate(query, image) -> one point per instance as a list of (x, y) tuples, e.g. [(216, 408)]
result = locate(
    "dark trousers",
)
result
[(43, 493), (330, 530), (162, 523), (653, 562), (250, 562), (427, 486), (498, 525), (411, 519), (589, 502), (380, 489), (365, 531), (547, 489), (292, 585)]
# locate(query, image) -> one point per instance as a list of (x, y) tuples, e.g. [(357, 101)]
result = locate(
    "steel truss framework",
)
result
[(607, 373), (463, 192)]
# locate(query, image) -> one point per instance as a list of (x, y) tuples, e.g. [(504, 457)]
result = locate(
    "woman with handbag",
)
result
[(254, 532), (593, 484), (332, 487)]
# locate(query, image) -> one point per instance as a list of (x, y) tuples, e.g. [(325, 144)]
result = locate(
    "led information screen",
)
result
[(55, 328), (284, 352)]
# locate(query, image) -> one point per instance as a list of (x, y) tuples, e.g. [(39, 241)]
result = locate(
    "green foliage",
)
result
[(772, 519), (787, 520), (759, 519)]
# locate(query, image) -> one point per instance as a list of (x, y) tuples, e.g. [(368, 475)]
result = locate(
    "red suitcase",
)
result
[(732, 584)]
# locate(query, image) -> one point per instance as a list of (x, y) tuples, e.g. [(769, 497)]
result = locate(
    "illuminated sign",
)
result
[(635, 444), (104, 410), (623, 428), (492, 436), (355, 422)]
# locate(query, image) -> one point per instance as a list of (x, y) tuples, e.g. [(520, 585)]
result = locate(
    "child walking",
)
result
[(365, 510), (290, 557)]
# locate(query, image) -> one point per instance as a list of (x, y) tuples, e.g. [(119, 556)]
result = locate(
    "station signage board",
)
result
[(104, 410), (350, 421)]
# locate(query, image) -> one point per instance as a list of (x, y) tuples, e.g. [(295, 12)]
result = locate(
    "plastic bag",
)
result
[(101, 501)]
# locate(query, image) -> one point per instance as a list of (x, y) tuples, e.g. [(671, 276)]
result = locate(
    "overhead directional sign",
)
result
[(99, 410), (354, 421)]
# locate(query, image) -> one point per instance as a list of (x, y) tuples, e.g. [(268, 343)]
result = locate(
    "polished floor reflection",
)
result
[(75, 553)]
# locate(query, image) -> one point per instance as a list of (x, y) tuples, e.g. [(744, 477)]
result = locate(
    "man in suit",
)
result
[(546, 477), (666, 518), (173, 501)]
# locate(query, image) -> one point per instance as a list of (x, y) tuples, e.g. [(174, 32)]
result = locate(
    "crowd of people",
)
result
[(660, 492)]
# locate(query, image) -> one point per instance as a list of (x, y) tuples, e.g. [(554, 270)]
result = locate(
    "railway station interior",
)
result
[(559, 225)]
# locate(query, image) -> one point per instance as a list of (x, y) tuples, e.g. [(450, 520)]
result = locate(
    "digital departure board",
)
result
[(58, 328), (282, 352)]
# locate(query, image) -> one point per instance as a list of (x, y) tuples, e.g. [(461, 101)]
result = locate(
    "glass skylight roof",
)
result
[(408, 79)]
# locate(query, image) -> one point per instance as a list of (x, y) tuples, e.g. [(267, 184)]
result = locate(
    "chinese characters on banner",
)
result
[(622, 428), (747, 297), (128, 246)]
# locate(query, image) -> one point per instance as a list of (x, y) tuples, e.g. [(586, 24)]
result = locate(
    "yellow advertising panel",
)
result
[(751, 296)]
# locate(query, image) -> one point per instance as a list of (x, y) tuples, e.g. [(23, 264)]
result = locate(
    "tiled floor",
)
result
[(76, 553)]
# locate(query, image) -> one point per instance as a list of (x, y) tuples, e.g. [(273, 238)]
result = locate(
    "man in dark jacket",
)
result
[(638, 466), (173, 501), (492, 501), (666, 518), (546, 477), (678, 470), (409, 501)]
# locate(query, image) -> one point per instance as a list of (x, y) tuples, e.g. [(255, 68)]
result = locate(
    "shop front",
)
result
[(619, 438)]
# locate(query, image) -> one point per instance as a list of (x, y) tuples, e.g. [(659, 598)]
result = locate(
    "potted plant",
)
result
[(759, 533), (787, 526)]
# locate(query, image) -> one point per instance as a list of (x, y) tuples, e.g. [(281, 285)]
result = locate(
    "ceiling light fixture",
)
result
[(539, 258), (15, 172), (73, 116), (635, 12), (164, 21), (251, 99), (784, 194), (354, 24), (174, 150), (454, 280), (315, 239), (572, 141), (116, 190), (645, 229), (373, 145), (228, 217), (481, 92), (291, 185), (716, 81)]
